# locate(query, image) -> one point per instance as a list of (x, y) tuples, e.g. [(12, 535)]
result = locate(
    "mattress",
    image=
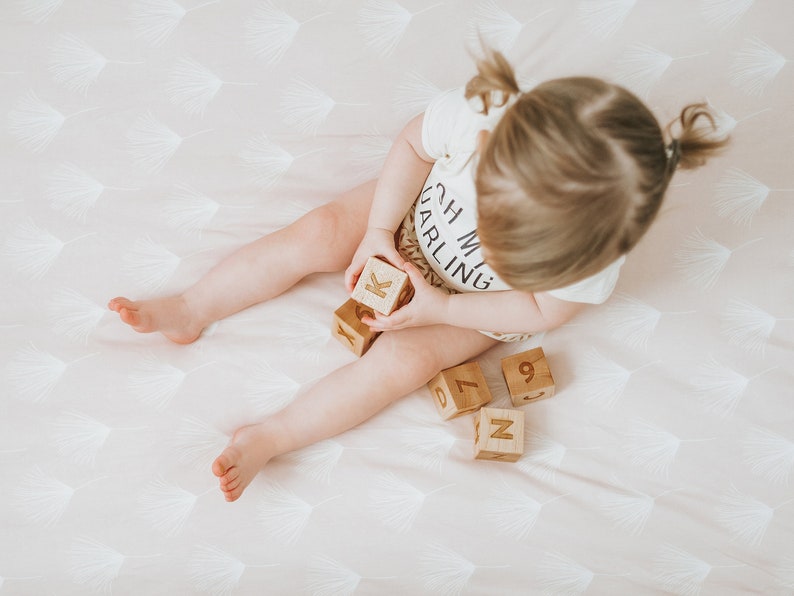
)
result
[(143, 141)]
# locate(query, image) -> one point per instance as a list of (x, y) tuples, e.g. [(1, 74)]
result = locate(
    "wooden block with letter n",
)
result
[(459, 390), (382, 286), (499, 434), (349, 329), (528, 376)]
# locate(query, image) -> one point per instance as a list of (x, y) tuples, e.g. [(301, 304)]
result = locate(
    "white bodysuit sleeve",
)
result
[(594, 289)]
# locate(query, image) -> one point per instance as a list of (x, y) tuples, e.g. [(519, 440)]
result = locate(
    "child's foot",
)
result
[(250, 449), (169, 316)]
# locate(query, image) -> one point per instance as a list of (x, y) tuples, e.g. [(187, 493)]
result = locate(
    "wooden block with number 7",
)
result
[(459, 390), (499, 434), (528, 376)]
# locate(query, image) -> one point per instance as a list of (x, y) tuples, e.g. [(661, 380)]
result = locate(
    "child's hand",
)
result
[(377, 242), (427, 307)]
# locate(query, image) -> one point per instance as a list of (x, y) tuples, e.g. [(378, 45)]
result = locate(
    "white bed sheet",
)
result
[(144, 140)]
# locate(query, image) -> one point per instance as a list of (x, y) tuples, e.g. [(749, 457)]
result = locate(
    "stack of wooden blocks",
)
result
[(380, 287), (498, 432)]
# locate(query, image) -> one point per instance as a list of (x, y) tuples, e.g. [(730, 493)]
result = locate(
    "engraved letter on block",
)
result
[(459, 390)]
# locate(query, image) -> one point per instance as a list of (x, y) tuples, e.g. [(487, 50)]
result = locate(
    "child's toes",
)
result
[(231, 486), (221, 465)]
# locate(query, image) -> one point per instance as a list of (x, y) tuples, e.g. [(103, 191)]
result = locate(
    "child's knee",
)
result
[(406, 355), (324, 228)]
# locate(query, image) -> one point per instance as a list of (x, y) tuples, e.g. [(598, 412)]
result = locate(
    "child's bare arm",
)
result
[(510, 311), (400, 182), (507, 312)]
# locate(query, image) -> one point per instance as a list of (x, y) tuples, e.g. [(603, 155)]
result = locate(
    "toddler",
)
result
[(510, 211)]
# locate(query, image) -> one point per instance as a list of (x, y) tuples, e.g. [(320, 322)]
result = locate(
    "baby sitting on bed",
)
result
[(510, 211)]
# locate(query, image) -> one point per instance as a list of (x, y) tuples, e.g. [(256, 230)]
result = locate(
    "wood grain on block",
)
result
[(382, 286)]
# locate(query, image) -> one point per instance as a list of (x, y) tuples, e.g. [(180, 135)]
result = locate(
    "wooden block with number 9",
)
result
[(499, 434), (528, 376), (459, 390)]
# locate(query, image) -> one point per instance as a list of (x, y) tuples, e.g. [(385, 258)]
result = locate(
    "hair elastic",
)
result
[(673, 151)]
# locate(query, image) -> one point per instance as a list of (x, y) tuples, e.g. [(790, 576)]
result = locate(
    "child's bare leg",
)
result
[(323, 240), (398, 363)]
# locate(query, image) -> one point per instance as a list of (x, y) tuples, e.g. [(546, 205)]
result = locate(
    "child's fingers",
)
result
[(414, 275), (381, 322), (352, 274)]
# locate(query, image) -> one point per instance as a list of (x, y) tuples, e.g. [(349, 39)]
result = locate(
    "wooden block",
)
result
[(459, 390), (349, 329), (528, 376), (382, 286), (499, 434)]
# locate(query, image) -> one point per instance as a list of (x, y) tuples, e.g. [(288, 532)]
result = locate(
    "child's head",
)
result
[(573, 174)]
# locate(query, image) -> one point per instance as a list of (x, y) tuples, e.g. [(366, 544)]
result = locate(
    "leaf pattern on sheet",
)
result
[(632, 321), (382, 24), (413, 94), (34, 373), (605, 379), (41, 498), (38, 11), (166, 507), (745, 517), (32, 250), (562, 575), (496, 26), (270, 32), (34, 123), (319, 460), (143, 141), (75, 192), (445, 571), (152, 144), (769, 455), (542, 456), (629, 508), (603, 19), (703, 259), (74, 315), (513, 512), (740, 196), (214, 570), (156, 382), (94, 564), (197, 443), (76, 65), (755, 66), (395, 502), (327, 576), (747, 326), (724, 14), (79, 437), (283, 514), (654, 448)]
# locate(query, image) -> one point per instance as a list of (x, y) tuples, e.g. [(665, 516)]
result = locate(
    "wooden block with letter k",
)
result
[(459, 390), (382, 286)]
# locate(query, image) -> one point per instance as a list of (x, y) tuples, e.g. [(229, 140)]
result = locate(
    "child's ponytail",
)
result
[(494, 83), (696, 142)]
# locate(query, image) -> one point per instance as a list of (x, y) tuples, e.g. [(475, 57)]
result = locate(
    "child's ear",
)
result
[(482, 139)]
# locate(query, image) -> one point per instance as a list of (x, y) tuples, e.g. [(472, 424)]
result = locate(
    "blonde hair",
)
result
[(573, 173)]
